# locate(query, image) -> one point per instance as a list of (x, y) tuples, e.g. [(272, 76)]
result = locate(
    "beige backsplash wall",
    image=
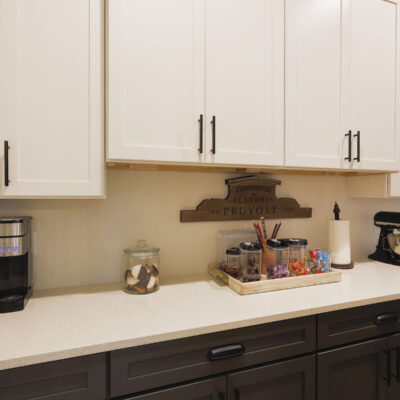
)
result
[(80, 241)]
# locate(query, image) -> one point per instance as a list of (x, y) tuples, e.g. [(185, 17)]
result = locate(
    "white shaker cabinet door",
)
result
[(245, 81), (155, 80), (51, 100), (314, 132), (371, 74)]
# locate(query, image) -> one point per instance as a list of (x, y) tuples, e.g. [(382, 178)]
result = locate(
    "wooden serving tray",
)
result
[(269, 285)]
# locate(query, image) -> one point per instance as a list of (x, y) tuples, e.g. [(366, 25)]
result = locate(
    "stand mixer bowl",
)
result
[(393, 240)]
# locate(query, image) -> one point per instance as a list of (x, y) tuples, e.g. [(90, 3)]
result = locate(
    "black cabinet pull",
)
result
[(201, 134), (237, 394), (221, 396), (388, 377), (397, 364), (213, 149), (358, 146), (6, 174), (348, 158), (224, 352), (389, 318)]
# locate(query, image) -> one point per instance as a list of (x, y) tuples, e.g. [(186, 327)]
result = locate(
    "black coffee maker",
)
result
[(15, 263)]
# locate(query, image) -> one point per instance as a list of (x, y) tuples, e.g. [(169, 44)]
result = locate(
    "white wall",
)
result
[(81, 241)]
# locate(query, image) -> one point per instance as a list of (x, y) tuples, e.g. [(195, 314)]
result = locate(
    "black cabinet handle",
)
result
[(230, 351), (221, 396), (397, 364), (389, 318), (348, 158), (237, 394), (201, 134), (358, 146), (6, 174), (388, 377), (213, 123)]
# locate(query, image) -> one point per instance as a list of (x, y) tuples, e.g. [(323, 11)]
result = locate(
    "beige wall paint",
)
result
[(80, 241)]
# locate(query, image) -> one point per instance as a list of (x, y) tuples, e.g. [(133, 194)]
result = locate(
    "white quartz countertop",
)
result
[(63, 323)]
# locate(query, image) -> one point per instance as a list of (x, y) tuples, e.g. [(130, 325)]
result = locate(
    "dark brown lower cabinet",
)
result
[(288, 380), (356, 372), (394, 383), (209, 389)]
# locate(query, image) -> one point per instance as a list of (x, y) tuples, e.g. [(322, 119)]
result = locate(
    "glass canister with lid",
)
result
[(297, 256), (141, 275), (233, 262), (277, 259), (251, 261)]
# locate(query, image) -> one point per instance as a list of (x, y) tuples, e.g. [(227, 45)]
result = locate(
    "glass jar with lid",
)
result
[(251, 261), (141, 275), (277, 259), (297, 256), (233, 262)]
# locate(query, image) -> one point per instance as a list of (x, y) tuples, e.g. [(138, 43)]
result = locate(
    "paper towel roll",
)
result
[(339, 242)]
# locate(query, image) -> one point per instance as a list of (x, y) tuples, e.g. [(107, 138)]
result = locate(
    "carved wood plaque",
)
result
[(249, 197)]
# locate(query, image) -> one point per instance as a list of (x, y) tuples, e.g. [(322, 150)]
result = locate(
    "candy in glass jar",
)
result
[(251, 255), (277, 259), (297, 256), (233, 264), (142, 274)]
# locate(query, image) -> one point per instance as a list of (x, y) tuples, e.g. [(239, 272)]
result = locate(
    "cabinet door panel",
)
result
[(210, 389), (354, 372), (51, 100), (155, 79), (394, 347), (294, 380), (314, 134), (244, 74), (373, 65)]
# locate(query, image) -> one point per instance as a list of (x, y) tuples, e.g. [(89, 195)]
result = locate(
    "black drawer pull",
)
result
[(389, 318), (214, 132), (221, 396), (358, 146), (201, 134), (221, 353), (237, 394)]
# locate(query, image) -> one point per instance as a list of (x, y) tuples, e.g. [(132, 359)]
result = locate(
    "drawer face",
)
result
[(347, 326), (82, 378), (161, 364)]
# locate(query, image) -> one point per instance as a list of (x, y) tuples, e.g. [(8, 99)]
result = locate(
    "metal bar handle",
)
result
[(389, 318), (358, 136), (6, 171), (201, 133), (224, 352), (398, 364), (348, 158), (213, 123)]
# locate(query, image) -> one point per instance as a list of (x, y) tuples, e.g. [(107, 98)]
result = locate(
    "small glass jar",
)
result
[(277, 259), (297, 256), (141, 275), (233, 264), (251, 261)]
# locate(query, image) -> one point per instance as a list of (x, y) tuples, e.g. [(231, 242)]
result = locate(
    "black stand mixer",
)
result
[(388, 248)]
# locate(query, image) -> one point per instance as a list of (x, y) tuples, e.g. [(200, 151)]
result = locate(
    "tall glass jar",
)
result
[(277, 259), (141, 275), (251, 261), (297, 256)]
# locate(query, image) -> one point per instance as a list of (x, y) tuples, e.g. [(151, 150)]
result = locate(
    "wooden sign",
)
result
[(249, 197)]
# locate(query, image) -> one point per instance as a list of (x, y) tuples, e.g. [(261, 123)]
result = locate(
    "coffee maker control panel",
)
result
[(12, 247)]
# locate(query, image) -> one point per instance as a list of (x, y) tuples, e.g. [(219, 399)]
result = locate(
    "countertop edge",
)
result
[(118, 345)]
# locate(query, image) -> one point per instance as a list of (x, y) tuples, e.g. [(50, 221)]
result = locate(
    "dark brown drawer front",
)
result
[(151, 366), (82, 378), (347, 326)]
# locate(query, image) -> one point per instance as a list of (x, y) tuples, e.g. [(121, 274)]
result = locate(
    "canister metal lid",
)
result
[(295, 242), (277, 244), (250, 246), (235, 251)]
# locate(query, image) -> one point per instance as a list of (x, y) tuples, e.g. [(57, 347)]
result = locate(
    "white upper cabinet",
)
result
[(342, 72), (245, 81), (51, 98), (313, 83), (371, 73), (155, 80)]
